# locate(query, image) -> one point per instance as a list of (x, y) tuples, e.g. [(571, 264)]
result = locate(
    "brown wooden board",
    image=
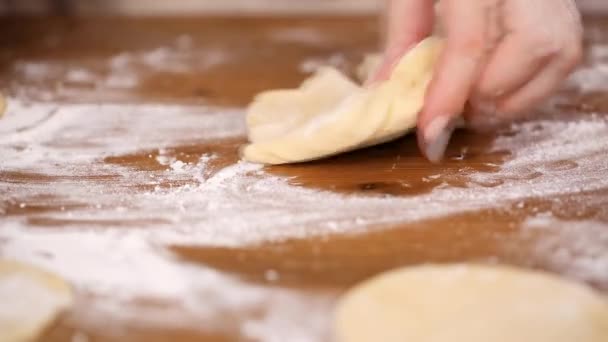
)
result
[(119, 172)]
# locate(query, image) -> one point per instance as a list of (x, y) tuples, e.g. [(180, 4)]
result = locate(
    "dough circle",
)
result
[(30, 299), (470, 303), (2, 105), (330, 114)]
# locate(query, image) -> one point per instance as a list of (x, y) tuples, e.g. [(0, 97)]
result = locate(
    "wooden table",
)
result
[(120, 173)]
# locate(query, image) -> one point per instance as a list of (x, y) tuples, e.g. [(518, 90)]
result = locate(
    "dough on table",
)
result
[(470, 303), (2, 105), (330, 114), (371, 62), (30, 299)]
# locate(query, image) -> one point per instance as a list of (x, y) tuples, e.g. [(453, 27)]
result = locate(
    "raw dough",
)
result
[(370, 64), (30, 299), (468, 303), (2, 105), (330, 114)]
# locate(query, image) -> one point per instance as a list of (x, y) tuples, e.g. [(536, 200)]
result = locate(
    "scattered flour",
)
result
[(118, 73), (237, 205), (580, 249), (40, 137), (79, 75), (299, 35), (312, 64), (127, 267), (592, 77)]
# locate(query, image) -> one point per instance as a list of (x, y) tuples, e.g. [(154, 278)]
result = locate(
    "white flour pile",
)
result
[(121, 266), (235, 206), (579, 249), (115, 75)]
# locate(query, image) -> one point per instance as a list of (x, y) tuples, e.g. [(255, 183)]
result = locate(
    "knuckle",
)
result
[(520, 104), (485, 89), (472, 45), (470, 48), (542, 46), (572, 55), (488, 90), (511, 109)]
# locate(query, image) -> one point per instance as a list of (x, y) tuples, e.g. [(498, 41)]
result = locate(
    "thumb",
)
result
[(406, 22)]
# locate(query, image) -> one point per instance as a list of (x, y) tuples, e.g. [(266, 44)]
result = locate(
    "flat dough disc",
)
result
[(2, 105), (470, 303), (30, 299), (330, 114)]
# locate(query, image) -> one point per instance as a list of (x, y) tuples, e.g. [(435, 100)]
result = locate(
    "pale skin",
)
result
[(502, 56)]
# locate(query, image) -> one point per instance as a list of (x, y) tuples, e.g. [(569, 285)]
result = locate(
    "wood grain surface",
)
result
[(251, 262)]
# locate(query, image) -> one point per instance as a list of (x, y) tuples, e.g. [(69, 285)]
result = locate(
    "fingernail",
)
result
[(437, 136)]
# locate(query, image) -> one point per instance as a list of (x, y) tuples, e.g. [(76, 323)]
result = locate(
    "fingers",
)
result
[(456, 73), (523, 50), (545, 83), (507, 55), (530, 62), (521, 57), (407, 22), (564, 47), (489, 115)]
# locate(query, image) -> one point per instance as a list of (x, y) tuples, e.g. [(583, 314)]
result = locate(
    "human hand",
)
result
[(503, 56)]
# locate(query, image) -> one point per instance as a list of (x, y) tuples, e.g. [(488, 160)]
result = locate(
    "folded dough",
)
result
[(470, 303), (330, 114)]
